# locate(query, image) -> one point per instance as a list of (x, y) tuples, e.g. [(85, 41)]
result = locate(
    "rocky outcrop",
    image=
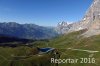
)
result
[(91, 21)]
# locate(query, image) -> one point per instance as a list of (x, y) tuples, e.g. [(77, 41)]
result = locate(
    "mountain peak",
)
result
[(63, 23), (91, 21), (93, 11)]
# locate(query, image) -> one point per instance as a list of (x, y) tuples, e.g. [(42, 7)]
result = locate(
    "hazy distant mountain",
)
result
[(27, 31), (90, 22)]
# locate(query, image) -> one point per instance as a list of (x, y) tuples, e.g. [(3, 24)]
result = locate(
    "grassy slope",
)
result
[(22, 56), (75, 41), (72, 40)]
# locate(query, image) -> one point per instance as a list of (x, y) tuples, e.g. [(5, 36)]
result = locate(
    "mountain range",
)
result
[(26, 31)]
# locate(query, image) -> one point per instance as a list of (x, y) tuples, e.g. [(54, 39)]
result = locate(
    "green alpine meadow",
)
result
[(65, 45)]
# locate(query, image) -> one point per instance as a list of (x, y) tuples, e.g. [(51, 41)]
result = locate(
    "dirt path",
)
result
[(89, 51)]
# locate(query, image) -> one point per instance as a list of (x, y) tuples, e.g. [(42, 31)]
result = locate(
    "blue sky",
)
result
[(42, 12)]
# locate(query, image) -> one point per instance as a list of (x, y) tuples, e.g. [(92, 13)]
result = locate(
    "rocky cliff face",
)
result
[(94, 11), (91, 21)]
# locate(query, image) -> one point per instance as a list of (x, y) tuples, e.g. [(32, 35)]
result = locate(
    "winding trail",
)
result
[(89, 51)]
